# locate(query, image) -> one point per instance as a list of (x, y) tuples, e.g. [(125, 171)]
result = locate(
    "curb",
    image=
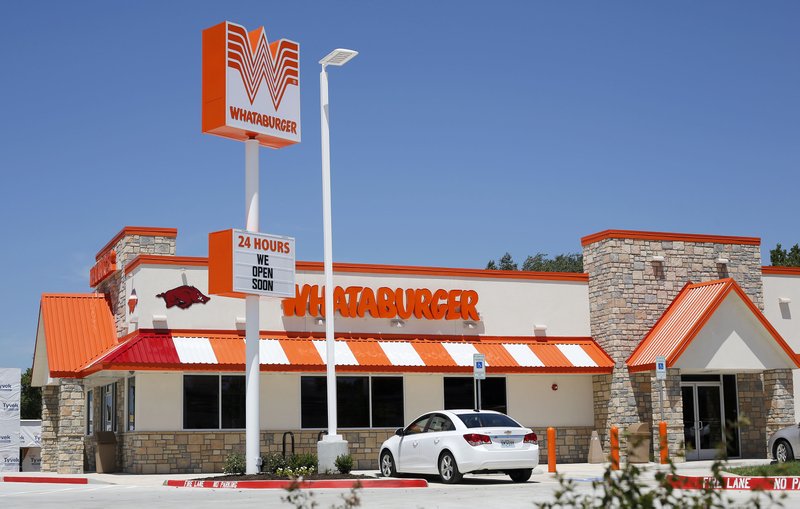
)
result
[(49, 480), (742, 483), (283, 484)]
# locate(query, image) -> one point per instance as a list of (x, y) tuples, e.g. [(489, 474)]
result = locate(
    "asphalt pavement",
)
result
[(484, 491)]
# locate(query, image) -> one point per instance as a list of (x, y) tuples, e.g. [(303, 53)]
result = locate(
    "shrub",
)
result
[(344, 463), (272, 462), (234, 464), (294, 473), (307, 460)]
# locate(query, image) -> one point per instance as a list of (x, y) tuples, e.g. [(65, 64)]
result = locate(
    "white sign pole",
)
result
[(478, 373), (252, 319), (661, 376)]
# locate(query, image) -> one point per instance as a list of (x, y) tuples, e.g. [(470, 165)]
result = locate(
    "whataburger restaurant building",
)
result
[(148, 356)]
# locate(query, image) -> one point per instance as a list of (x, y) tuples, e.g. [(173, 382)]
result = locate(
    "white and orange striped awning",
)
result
[(225, 352), (685, 317)]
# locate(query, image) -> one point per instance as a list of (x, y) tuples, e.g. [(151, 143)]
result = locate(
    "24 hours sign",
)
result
[(242, 263)]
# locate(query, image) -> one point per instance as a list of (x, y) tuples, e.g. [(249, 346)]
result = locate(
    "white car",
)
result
[(452, 443), (785, 444)]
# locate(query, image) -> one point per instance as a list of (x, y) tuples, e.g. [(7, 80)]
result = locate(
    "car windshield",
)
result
[(478, 420)]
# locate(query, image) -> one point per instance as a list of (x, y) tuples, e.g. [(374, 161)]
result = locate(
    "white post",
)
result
[(328, 252), (252, 371), (332, 445)]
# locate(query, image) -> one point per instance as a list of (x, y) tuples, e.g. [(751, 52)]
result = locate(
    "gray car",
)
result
[(785, 444)]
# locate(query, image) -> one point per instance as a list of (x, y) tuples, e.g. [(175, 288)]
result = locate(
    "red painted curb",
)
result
[(49, 480), (743, 483), (281, 484)]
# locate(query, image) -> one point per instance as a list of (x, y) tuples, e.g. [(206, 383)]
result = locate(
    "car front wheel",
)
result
[(388, 468), (783, 451), (448, 469), (520, 475)]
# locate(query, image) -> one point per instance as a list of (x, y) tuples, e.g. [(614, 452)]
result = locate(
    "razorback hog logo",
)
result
[(183, 297)]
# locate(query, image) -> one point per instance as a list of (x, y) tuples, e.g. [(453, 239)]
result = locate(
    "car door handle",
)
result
[(436, 440), (415, 443)]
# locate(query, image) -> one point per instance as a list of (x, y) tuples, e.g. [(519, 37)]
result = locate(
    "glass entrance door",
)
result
[(703, 425)]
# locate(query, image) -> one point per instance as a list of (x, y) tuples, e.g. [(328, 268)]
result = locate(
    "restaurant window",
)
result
[(459, 393), (361, 401), (108, 401), (213, 402), (89, 413), (131, 404), (233, 402), (387, 401)]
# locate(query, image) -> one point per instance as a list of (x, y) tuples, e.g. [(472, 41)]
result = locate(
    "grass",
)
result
[(774, 469)]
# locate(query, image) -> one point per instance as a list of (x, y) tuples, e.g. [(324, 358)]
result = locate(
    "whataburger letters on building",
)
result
[(357, 302)]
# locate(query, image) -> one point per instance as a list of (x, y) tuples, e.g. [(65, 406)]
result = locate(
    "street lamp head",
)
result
[(338, 57)]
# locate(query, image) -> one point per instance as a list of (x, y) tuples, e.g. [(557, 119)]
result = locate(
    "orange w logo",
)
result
[(258, 61)]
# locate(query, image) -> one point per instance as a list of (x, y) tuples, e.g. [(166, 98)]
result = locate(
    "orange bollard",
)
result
[(551, 450), (614, 448), (662, 435)]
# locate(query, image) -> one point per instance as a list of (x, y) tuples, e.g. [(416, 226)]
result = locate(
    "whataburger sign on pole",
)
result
[(251, 87), (251, 93)]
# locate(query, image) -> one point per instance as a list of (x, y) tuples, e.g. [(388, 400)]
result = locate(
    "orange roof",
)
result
[(780, 271), (77, 328), (225, 351), (685, 317)]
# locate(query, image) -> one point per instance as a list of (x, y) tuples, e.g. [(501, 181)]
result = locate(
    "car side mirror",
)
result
[(399, 432)]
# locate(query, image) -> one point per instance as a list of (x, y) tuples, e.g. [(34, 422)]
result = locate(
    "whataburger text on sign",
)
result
[(251, 87), (242, 263), (357, 302)]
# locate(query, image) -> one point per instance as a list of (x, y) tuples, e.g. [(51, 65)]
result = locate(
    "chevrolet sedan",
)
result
[(785, 444), (452, 443)]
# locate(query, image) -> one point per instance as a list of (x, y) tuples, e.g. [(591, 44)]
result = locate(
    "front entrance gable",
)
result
[(713, 326), (733, 339)]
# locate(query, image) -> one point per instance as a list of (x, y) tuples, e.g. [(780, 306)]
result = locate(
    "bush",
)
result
[(344, 463), (272, 462), (234, 464), (294, 473), (307, 460)]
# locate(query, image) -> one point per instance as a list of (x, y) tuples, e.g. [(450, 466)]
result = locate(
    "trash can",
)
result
[(105, 452), (639, 443)]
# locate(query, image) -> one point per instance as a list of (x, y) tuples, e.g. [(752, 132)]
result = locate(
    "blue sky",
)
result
[(461, 131)]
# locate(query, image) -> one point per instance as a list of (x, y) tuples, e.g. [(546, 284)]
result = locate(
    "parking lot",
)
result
[(475, 491)]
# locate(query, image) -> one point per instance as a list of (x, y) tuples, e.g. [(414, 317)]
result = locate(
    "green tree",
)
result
[(30, 399), (780, 257), (569, 262), (507, 263), (540, 262)]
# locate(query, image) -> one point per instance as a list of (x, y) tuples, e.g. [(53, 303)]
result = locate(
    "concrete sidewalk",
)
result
[(576, 471)]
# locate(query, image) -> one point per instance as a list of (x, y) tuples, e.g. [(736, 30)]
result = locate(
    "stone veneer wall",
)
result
[(62, 427), (627, 295), (127, 248), (148, 452), (572, 444), (673, 414), (49, 428), (172, 452), (752, 413), (778, 400)]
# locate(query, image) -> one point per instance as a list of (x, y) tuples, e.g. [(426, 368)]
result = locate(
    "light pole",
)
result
[(332, 445)]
